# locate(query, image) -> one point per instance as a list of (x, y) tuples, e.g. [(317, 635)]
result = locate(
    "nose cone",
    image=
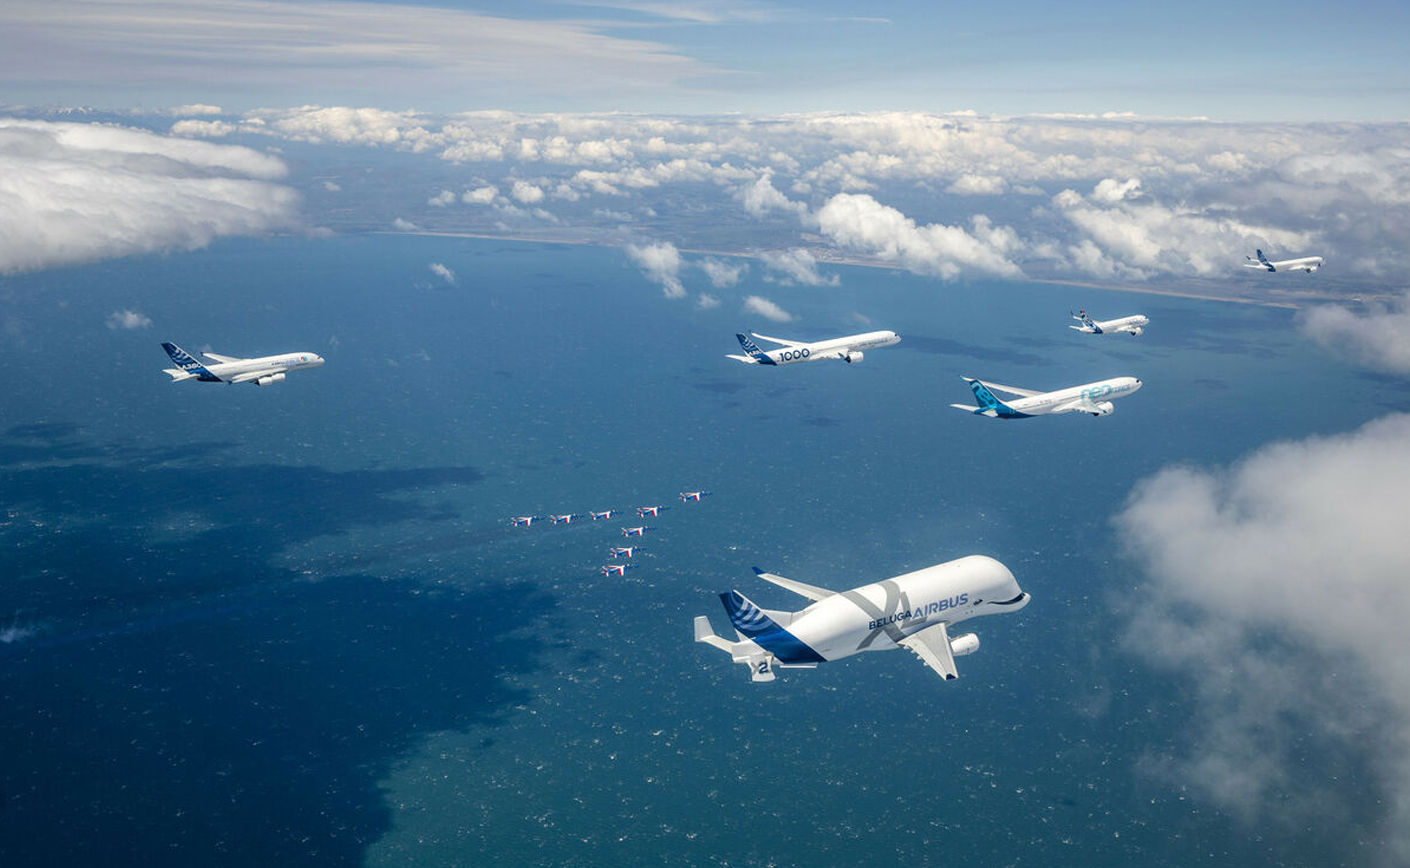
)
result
[(317, 360), (1135, 384)]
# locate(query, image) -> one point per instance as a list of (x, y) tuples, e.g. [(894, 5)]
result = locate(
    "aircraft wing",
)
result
[(219, 358), (812, 592), (1012, 390), (784, 342), (748, 360), (932, 646), (255, 375)]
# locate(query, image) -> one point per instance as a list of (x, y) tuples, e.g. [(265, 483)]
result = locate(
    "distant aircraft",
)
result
[(849, 349), (1308, 264), (625, 551), (617, 569), (687, 496), (524, 520), (913, 611), (1094, 398), (1134, 325), (636, 531), (264, 371), (606, 513), (564, 519), (649, 511)]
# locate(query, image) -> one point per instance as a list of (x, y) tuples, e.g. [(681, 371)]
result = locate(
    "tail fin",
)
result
[(746, 617), (984, 397), (187, 363), (756, 624), (1261, 258)]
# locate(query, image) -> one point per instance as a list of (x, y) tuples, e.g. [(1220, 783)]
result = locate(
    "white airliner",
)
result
[(913, 611), (1308, 264), (1134, 325), (848, 349), (264, 371), (1094, 398)]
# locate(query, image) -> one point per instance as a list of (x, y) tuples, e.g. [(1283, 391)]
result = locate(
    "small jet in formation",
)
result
[(564, 519), (636, 531), (617, 569), (264, 371), (914, 611), (687, 496), (1133, 325), (1094, 398), (649, 511), (625, 551), (1308, 264), (849, 349), (524, 520), (606, 513)]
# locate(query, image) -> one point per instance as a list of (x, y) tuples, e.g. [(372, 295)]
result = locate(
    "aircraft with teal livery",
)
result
[(1093, 398)]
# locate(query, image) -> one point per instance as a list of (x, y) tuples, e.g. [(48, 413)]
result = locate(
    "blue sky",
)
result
[(1250, 61)]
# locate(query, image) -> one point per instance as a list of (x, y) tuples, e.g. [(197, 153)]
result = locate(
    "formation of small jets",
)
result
[(622, 553)]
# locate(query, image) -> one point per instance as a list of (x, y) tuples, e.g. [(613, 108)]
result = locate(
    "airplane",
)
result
[(1082, 399), (849, 349), (694, 495), (913, 611), (564, 519), (1308, 264), (524, 520), (625, 551), (263, 371), (649, 511), (618, 569), (636, 531), (606, 513), (1134, 325)]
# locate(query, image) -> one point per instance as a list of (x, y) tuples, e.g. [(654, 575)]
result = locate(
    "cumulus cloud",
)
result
[(860, 222), (1378, 338), (480, 195), (526, 192), (1279, 586), (977, 185), (796, 266), (443, 272), (707, 302), (198, 108), (128, 319), (203, 129), (766, 309), (760, 198), (722, 274), (442, 199), (81, 192), (401, 224), (661, 262)]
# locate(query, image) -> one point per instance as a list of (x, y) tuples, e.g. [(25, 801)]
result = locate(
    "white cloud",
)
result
[(707, 302), (1110, 191), (760, 198), (403, 225), (480, 195), (977, 185), (722, 274), (442, 199), (860, 222), (331, 186), (1279, 587), (196, 109), (526, 192), (662, 264), (443, 272), (203, 129), (81, 192), (1379, 338), (128, 319), (797, 266), (766, 309)]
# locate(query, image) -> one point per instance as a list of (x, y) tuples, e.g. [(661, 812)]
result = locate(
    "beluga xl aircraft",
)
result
[(263, 371), (1094, 398), (1133, 325), (914, 611), (1308, 264), (849, 349)]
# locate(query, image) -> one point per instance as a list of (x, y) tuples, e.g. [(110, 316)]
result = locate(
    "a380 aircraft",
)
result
[(1134, 325), (1094, 398), (264, 371), (1308, 264), (913, 611), (849, 349)]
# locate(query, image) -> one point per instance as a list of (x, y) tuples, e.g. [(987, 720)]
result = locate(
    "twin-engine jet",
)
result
[(1133, 325), (1308, 264), (849, 349), (914, 611), (1094, 398), (264, 371)]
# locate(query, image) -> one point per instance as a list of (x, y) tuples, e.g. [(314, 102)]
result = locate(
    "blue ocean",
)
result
[(293, 626)]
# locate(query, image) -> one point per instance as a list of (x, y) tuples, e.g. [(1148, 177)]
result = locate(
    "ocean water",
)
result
[(291, 626)]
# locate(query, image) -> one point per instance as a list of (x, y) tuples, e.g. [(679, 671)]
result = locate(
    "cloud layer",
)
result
[(1378, 338)]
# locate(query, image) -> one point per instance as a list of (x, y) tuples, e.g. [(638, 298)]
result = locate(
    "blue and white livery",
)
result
[(1093, 398), (849, 349), (564, 519), (625, 551), (694, 496), (617, 569), (649, 511), (524, 520), (263, 371), (1308, 264), (605, 514), (636, 531), (1132, 325), (914, 611)]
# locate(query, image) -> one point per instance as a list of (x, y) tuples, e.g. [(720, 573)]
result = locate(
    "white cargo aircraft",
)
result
[(1308, 264), (264, 371), (1134, 325), (1094, 398), (848, 349), (913, 611)]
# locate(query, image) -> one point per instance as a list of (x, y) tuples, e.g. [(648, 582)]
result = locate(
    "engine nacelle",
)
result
[(966, 643), (1105, 408), (269, 380), (1138, 331), (854, 357)]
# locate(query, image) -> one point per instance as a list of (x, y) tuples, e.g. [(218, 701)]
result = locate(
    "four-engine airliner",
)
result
[(849, 349), (913, 611), (263, 371), (1094, 398), (1308, 264), (1133, 325)]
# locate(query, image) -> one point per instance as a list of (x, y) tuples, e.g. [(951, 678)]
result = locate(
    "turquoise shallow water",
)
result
[(292, 626)]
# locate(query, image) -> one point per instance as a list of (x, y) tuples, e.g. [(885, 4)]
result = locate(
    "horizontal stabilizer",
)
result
[(705, 633), (177, 375), (970, 408), (748, 360), (812, 592)]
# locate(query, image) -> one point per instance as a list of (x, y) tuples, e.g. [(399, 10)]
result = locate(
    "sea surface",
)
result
[(292, 625)]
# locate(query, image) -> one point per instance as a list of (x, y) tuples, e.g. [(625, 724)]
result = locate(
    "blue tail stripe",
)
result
[(751, 621)]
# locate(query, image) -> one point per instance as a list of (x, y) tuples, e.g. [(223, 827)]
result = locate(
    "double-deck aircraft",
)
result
[(264, 371), (1094, 398), (849, 349), (1133, 325), (914, 611), (1308, 264)]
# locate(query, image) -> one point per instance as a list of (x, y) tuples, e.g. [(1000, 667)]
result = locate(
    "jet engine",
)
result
[(965, 643), (1138, 331), (854, 357), (1105, 408), (269, 380)]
